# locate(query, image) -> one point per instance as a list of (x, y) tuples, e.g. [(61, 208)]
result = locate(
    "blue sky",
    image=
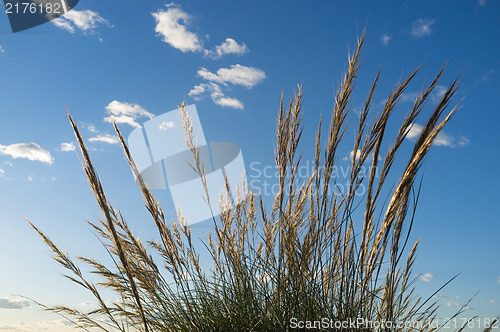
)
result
[(131, 61)]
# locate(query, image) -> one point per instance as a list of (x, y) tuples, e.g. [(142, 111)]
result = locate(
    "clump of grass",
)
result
[(306, 257)]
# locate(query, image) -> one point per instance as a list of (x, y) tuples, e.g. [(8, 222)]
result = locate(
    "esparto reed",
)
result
[(307, 257)]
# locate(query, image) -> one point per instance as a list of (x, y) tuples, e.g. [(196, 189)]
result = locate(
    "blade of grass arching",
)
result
[(65, 261), (96, 186)]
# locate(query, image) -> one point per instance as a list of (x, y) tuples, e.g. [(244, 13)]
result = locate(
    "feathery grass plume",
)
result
[(308, 256)]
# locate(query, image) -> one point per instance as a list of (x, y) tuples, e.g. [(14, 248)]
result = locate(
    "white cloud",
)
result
[(8, 163), (438, 93), (498, 280), (422, 27), (237, 75), (122, 112), (106, 138), (452, 304), (171, 26), (2, 49), (91, 128), (385, 39), (435, 97), (358, 154), (165, 125), (493, 301), (31, 151), (442, 139), (216, 94), (13, 304), (407, 97), (481, 2), (229, 102), (84, 20), (427, 277), (68, 147), (230, 46), (2, 172)]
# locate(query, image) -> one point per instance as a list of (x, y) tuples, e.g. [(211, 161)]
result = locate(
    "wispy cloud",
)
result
[(171, 26), (31, 151), (84, 20), (385, 39), (436, 95), (123, 112), (65, 147), (236, 74), (451, 303), (481, 3), (422, 27), (216, 94), (230, 46), (427, 277), (105, 138), (165, 125), (442, 139), (498, 279), (2, 50), (13, 304), (351, 155), (358, 155)]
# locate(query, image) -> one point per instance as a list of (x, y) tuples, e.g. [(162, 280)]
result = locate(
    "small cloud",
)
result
[(85, 20), (493, 301), (452, 304), (106, 138), (230, 46), (441, 297), (438, 93), (351, 155), (165, 125), (442, 139), (2, 49), (427, 277), (13, 304), (91, 128), (385, 39), (65, 147), (498, 279), (422, 27), (2, 172), (236, 74), (229, 102), (358, 155), (122, 112), (53, 178), (31, 151), (7, 163), (481, 3), (408, 97), (216, 94), (30, 179), (171, 27)]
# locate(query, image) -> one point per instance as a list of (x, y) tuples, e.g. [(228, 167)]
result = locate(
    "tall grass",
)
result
[(309, 256)]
